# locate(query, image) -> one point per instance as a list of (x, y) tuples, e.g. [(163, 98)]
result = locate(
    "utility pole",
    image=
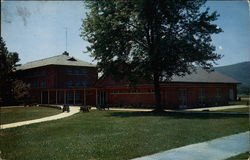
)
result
[(66, 40)]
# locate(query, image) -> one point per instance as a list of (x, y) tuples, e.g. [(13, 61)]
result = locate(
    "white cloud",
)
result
[(24, 13), (220, 48)]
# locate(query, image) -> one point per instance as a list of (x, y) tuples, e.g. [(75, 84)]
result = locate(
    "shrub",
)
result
[(50, 106)]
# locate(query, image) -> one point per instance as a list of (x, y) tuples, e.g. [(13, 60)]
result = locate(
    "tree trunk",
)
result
[(157, 92)]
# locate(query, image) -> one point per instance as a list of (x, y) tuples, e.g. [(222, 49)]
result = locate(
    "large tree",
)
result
[(21, 92), (8, 62), (151, 39)]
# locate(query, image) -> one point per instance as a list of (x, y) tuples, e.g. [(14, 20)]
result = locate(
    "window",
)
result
[(78, 84), (32, 84), (231, 94), (43, 84), (218, 93), (201, 95), (42, 73), (85, 84), (115, 91), (69, 83), (36, 73), (72, 59), (183, 92), (134, 91), (151, 90), (76, 71), (35, 84), (77, 97), (69, 71), (83, 71), (70, 97), (183, 97)]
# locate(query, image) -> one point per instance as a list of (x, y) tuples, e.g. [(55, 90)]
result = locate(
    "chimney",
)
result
[(65, 53)]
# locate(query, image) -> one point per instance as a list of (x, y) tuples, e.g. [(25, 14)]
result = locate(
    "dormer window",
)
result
[(65, 53), (72, 59)]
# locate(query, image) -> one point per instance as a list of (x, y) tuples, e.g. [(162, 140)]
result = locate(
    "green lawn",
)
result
[(243, 96), (242, 102), (243, 156), (17, 114), (246, 110), (115, 135)]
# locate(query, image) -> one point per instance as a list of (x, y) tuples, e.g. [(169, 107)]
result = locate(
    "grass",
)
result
[(245, 110), (17, 114), (242, 102), (115, 135), (243, 156), (243, 96)]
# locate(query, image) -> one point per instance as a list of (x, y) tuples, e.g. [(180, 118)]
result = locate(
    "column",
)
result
[(64, 97), (84, 97), (74, 97), (48, 97), (96, 100), (56, 96), (41, 97)]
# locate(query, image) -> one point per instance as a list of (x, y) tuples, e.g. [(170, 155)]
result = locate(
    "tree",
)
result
[(243, 89), (153, 39), (8, 62), (21, 92)]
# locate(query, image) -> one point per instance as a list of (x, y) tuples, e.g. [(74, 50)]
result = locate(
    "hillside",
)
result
[(239, 72)]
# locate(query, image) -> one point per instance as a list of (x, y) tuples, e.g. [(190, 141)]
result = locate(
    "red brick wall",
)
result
[(90, 76), (57, 77), (170, 95)]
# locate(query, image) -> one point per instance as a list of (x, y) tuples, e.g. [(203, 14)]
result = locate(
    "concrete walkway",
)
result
[(73, 110), (194, 109), (217, 149), (11, 107), (212, 112), (217, 108), (130, 109)]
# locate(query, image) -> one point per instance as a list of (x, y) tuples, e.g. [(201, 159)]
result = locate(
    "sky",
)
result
[(37, 29)]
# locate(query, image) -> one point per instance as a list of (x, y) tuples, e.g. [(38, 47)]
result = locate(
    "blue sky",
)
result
[(36, 29)]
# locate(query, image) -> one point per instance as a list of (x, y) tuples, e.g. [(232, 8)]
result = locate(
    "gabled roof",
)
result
[(203, 76), (199, 76), (63, 59)]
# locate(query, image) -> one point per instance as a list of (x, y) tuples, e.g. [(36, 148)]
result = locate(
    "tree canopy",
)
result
[(8, 62), (152, 39)]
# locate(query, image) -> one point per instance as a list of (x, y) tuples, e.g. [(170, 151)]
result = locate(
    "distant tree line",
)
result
[(243, 89), (12, 91)]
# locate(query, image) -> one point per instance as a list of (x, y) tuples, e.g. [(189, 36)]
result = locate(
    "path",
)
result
[(130, 109), (217, 108), (1, 107), (217, 149), (196, 110), (73, 110)]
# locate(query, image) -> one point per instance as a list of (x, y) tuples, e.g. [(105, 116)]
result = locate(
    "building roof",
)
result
[(63, 59), (199, 76), (203, 76)]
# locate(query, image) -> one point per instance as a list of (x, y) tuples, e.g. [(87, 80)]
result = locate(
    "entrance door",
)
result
[(102, 99), (183, 98), (231, 94)]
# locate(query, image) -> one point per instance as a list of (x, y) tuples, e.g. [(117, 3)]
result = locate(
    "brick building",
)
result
[(64, 79)]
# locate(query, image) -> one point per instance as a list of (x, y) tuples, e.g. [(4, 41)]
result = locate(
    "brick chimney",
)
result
[(65, 53)]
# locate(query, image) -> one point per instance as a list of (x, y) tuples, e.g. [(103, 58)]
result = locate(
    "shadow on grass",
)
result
[(176, 115)]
